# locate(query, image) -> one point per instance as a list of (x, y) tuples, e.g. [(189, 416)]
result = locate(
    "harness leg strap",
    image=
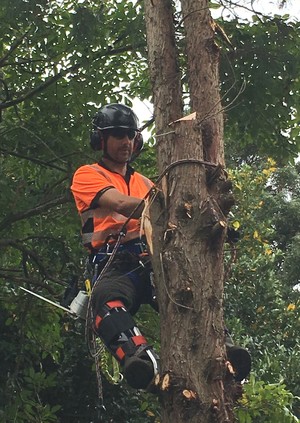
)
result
[(116, 327)]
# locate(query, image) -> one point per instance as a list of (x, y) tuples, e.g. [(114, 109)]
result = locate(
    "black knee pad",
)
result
[(112, 319)]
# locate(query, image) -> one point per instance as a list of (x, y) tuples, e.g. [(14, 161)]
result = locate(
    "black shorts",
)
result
[(127, 279)]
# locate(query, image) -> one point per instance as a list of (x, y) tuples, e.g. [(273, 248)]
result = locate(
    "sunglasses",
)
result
[(120, 133)]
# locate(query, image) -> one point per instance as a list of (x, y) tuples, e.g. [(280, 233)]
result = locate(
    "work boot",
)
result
[(138, 372), (239, 358)]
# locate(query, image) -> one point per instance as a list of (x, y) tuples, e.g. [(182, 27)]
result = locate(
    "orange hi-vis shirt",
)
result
[(89, 181)]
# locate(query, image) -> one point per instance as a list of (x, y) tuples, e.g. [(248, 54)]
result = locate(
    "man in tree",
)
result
[(107, 193), (109, 197)]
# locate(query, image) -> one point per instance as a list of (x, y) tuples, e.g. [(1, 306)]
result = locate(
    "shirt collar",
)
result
[(129, 171)]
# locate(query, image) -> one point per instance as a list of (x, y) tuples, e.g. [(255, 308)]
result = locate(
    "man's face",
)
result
[(119, 145)]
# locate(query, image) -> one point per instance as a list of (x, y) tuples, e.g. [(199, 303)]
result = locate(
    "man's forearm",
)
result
[(131, 206), (123, 204)]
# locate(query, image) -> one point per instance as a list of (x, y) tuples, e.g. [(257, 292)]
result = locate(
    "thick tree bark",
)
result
[(188, 217), (164, 69), (203, 74)]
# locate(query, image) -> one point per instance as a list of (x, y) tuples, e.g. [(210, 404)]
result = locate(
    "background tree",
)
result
[(55, 72), (59, 62), (266, 310)]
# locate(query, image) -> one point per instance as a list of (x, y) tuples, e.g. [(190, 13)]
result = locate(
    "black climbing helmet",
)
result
[(115, 116)]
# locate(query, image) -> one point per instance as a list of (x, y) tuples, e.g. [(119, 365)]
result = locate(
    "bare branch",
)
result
[(6, 90), (12, 218), (229, 5), (147, 124), (13, 47), (31, 159), (39, 88), (115, 51), (22, 280), (34, 257)]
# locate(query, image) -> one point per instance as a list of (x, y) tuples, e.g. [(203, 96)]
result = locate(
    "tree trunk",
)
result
[(188, 217)]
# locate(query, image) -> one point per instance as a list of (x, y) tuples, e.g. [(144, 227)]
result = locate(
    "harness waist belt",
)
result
[(136, 246)]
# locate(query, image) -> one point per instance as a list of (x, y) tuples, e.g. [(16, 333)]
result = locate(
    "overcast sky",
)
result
[(268, 7)]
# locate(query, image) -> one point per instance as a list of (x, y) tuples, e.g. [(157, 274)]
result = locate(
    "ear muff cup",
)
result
[(96, 141), (137, 146), (138, 143)]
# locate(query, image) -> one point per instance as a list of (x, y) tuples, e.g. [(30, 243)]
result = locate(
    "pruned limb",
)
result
[(166, 381), (189, 394)]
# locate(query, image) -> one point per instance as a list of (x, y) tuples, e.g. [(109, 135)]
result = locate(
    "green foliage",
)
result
[(66, 59), (262, 307), (266, 403), (58, 62), (31, 338), (260, 84), (27, 405)]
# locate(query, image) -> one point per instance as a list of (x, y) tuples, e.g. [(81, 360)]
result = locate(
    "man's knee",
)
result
[(111, 289)]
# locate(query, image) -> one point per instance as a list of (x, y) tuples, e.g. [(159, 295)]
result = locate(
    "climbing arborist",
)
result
[(106, 194), (109, 194)]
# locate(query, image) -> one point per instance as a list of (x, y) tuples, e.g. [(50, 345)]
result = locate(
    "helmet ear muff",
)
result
[(96, 140), (137, 146)]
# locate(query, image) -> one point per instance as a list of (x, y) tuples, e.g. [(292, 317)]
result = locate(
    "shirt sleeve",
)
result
[(86, 185)]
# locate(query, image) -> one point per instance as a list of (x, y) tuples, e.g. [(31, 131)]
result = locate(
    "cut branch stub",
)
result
[(165, 383), (189, 394)]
